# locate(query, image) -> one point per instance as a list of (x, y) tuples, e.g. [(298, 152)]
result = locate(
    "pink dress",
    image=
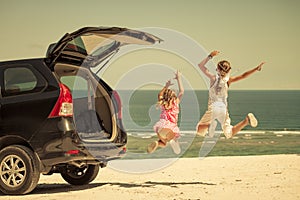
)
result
[(168, 119)]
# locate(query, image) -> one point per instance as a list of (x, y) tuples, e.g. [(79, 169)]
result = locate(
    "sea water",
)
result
[(276, 110)]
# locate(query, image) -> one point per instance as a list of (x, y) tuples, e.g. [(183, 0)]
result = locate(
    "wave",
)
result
[(149, 134)]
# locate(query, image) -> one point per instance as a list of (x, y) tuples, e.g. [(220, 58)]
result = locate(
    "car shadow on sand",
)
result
[(60, 187), (157, 183), (53, 188), (63, 187)]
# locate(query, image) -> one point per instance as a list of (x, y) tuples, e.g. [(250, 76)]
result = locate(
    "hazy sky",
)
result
[(246, 32)]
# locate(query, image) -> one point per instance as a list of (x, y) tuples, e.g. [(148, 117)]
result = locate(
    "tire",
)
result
[(19, 170), (80, 176)]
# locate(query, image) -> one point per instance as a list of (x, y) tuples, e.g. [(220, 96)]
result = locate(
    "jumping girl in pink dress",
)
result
[(166, 128)]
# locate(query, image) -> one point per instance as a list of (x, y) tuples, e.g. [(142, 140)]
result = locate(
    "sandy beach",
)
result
[(240, 177)]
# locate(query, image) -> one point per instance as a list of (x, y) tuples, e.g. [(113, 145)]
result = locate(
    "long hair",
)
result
[(167, 99), (223, 70)]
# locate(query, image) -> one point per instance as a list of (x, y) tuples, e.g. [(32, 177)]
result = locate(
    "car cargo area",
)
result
[(92, 106)]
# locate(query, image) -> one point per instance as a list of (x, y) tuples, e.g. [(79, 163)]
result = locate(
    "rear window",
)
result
[(92, 45), (76, 45), (78, 86), (22, 80)]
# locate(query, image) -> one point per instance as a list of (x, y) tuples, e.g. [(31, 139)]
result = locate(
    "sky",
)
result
[(245, 32)]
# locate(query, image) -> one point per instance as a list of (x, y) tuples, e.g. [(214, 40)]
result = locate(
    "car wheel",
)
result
[(19, 170), (80, 176)]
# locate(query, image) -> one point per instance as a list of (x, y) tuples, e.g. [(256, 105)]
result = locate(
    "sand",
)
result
[(241, 177)]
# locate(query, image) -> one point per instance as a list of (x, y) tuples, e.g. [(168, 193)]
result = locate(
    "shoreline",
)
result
[(149, 133), (240, 145)]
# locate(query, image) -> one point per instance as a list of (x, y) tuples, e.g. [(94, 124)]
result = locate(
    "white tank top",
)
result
[(218, 92)]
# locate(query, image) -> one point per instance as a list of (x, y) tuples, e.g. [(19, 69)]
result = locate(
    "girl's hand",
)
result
[(258, 68), (214, 53), (177, 75), (168, 84)]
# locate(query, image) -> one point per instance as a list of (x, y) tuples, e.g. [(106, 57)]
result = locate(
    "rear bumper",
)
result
[(57, 142), (83, 154)]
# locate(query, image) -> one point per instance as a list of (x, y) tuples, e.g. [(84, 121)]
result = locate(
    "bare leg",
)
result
[(164, 135), (152, 147), (202, 129), (169, 136), (161, 143), (239, 126)]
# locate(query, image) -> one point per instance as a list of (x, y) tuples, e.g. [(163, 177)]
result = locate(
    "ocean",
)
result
[(276, 110)]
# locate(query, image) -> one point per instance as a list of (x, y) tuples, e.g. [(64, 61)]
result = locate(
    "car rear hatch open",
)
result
[(89, 46)]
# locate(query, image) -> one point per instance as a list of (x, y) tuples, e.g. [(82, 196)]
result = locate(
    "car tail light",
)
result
[(117, 99), (73, 152), (64, 104)]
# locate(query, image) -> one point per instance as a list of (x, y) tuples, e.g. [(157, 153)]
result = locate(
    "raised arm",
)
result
[(180, 86), (203, 63), (246, 74)]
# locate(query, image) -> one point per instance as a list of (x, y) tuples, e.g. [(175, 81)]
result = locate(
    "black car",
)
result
[(57, 115)]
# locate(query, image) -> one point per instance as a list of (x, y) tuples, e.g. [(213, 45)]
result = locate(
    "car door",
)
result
[(27, 96)]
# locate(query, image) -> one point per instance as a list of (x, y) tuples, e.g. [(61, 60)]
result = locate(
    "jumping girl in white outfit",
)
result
[(217, 103)]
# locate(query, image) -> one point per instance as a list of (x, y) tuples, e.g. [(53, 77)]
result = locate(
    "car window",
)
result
[(21, 80), (77, 85), (76, 45), (90, 45)]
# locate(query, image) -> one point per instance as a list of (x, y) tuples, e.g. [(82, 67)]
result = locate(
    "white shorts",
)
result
[(216, 111)]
